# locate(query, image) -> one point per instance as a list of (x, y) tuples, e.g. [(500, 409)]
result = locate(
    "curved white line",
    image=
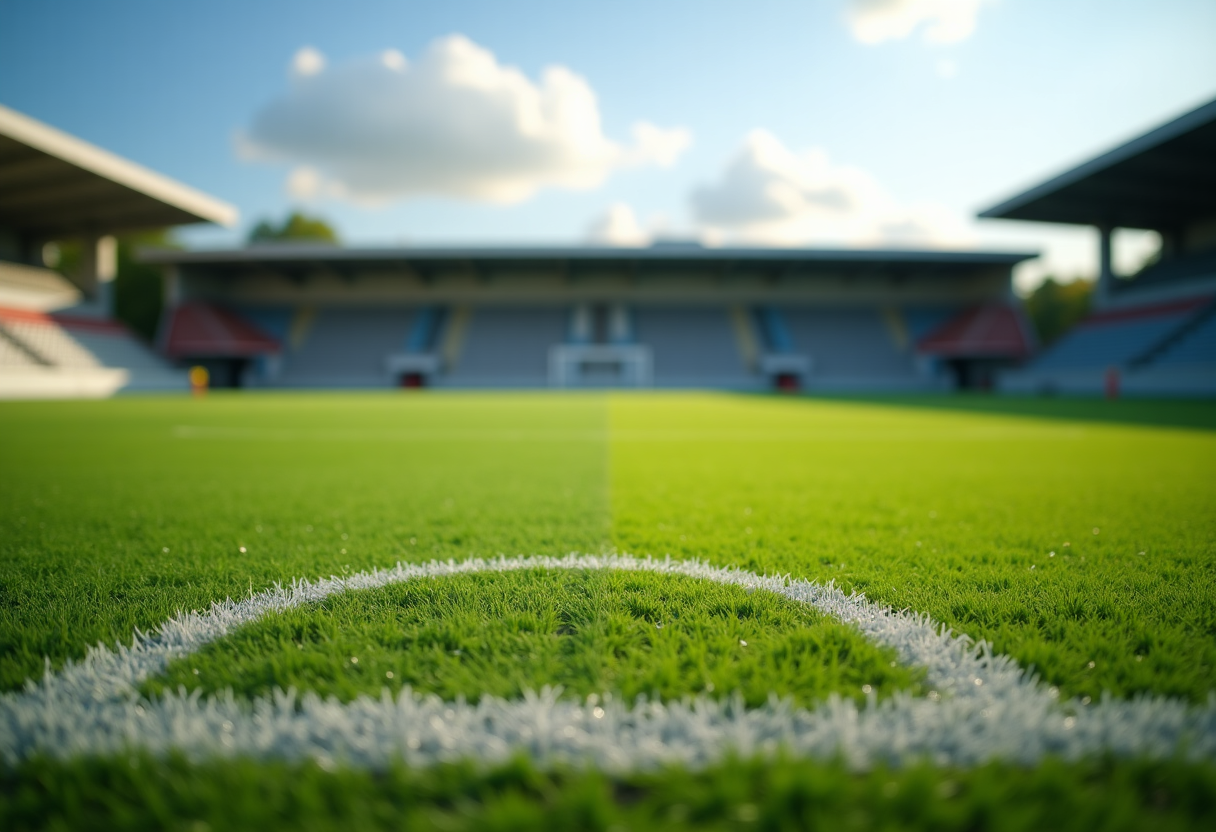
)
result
[(984, 707)]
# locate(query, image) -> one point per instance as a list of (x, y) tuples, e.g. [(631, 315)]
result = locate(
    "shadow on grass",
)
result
[(1196, 414)]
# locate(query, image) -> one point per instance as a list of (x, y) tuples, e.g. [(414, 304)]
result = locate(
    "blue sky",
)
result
[(871, 122)]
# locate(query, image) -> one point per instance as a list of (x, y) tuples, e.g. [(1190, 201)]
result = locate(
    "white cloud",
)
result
[(940, 21), (770, 194), (307, 61), (618, 226), (456, 123), (304, 183), (656, 145)]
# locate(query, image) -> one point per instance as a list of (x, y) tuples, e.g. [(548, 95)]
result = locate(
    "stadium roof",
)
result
[(1164, 179), (54, 184), (289, 257)]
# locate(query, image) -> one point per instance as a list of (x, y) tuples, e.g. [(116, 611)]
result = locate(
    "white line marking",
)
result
[(994, 433), (987, 708)]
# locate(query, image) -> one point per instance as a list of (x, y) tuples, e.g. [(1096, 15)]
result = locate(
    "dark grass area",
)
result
[(142, 793)]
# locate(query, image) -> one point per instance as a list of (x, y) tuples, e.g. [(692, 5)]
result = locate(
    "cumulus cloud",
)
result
[(456, 123), (618, 226), (771, 194), (940, 21)]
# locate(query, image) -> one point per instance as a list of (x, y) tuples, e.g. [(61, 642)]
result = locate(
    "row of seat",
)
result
[(1166, 335), (510, 345), (34, 341)]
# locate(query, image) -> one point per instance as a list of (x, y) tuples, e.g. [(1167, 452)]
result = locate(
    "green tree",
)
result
[(297, 226), (1055, 307), (139, 288)]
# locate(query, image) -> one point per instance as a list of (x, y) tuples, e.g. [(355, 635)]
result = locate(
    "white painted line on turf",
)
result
[(987, 707), (994, 433)]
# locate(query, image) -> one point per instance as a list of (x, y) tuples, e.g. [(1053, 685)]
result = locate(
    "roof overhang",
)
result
[(292, 258), (1163, 180), (53, 184)]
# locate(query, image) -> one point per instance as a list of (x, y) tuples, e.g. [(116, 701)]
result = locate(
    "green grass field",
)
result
[(1079, 538)]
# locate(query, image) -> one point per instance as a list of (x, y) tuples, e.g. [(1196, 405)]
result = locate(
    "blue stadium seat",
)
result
[(1105, 343), (1197, 347)]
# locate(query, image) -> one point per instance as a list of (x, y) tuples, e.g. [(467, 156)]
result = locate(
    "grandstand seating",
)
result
[(275, 321), (774, 334), (692, 347), (511, 346), (1197, 346), (424, 333), (45, 338), (921, 320), (95, 353), (14, 353), (1166, 347), (507, 346), (347, 347), (1115, 338), (849, 347)]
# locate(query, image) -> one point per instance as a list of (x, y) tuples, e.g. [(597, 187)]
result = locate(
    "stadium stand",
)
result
[(507, 347), (1118, 336), (1150, 334), (922, 320), (692, 347), (57, 187), (851, 348), (346, 347), (62, 355), (586, 317), (1192, 345)]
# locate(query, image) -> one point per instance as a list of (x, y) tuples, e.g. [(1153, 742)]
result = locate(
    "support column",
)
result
[(98, 268), (1169, 243), (1106, 275)]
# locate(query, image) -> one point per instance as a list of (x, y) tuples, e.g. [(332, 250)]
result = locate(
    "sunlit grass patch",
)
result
[(1078, 541), (111, 521), (1083, 549)]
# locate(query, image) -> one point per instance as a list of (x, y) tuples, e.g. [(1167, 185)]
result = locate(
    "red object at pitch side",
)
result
[(203, 329)]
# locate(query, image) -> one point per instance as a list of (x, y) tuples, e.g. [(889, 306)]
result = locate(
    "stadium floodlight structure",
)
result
[(1164, 180), (667, 315), (54, 186)]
